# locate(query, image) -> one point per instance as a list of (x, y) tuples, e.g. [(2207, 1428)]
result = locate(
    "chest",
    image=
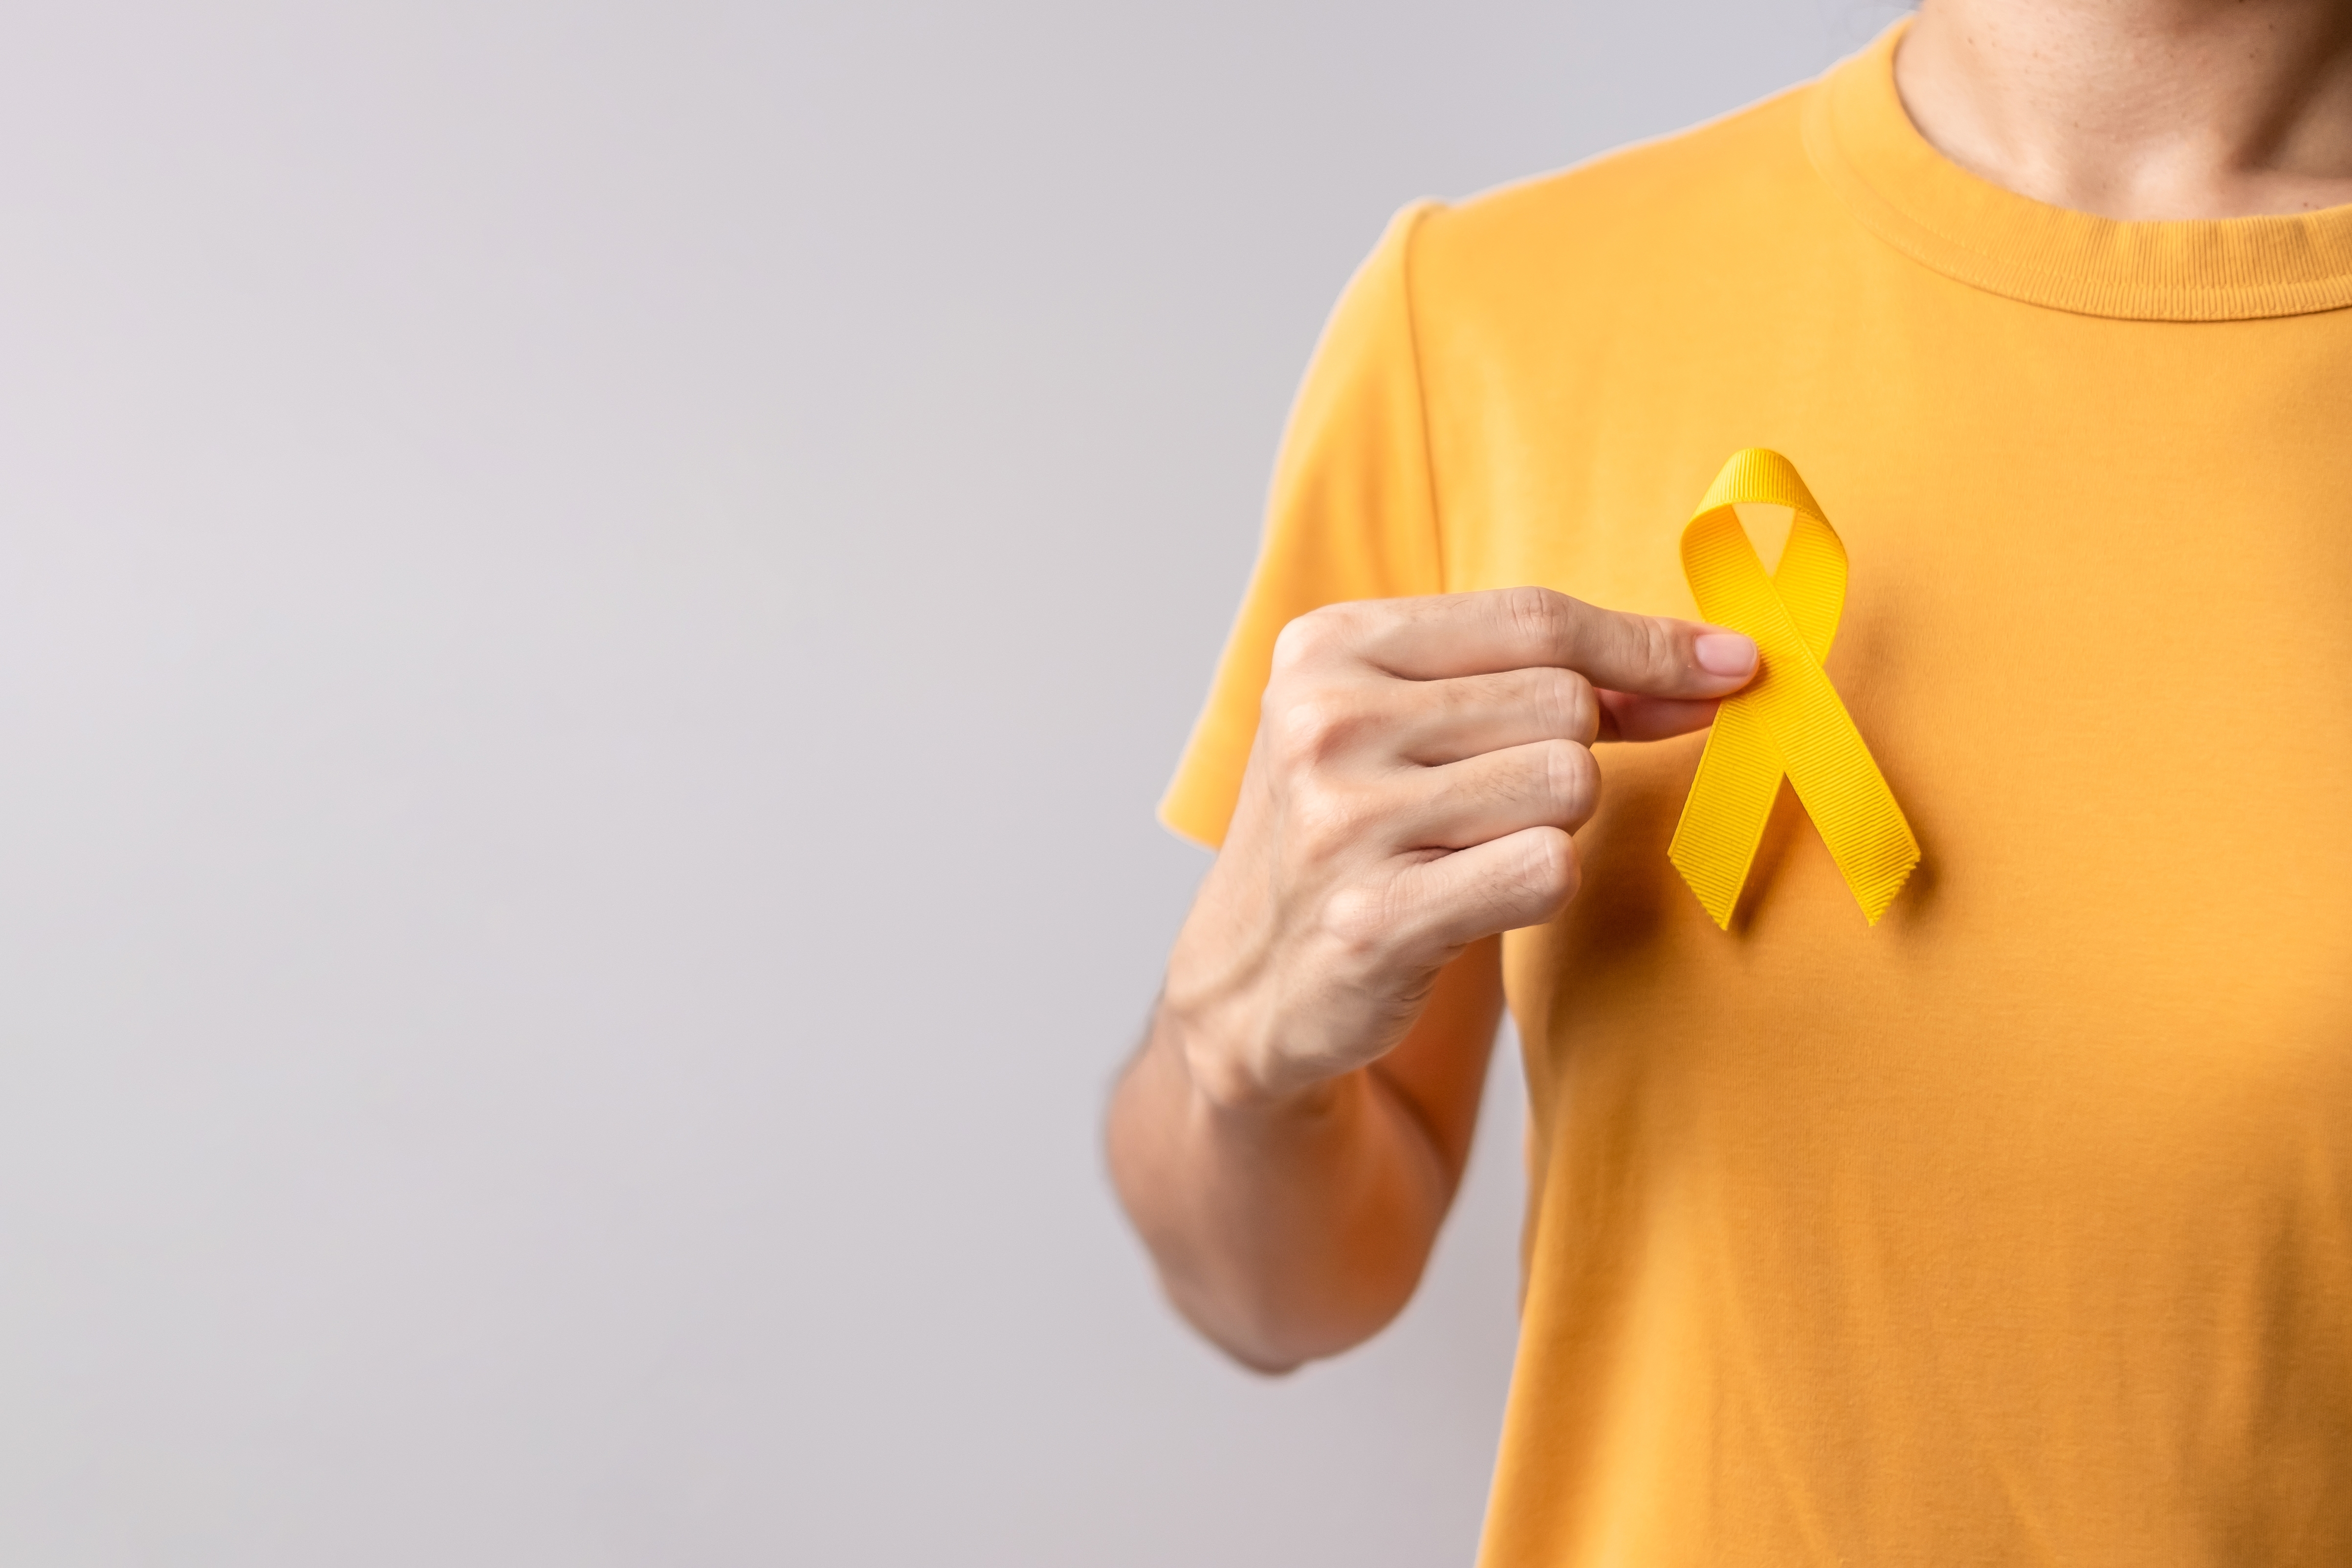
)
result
[(2098, 634)]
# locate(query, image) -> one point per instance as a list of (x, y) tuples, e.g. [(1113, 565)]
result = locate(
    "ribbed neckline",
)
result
[(2207, 269)]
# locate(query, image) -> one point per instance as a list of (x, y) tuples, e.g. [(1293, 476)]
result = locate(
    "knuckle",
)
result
[(1327, 821), (1655, 643), (1566, 704), (1311, 639), (1539, 614), (1309, 729), (1571, 779), (1361, 919), (1548, 872)]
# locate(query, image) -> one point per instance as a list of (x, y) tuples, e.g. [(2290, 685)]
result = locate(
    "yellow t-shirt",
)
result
[(2018, 1229)]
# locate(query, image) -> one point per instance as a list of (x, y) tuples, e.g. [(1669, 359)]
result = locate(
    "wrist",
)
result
[(1232, 1063)]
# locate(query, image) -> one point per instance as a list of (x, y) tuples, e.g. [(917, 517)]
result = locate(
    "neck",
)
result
[(2140, 109)]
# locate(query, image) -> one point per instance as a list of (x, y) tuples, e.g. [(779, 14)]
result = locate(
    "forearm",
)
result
[(1283, 1229)]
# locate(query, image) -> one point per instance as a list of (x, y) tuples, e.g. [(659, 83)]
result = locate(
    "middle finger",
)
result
[(1446, 721)]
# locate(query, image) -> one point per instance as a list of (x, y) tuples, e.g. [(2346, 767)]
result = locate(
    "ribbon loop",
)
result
[(1788, 721)]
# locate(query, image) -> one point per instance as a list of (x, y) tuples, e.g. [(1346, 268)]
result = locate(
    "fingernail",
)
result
[(1725, 653)]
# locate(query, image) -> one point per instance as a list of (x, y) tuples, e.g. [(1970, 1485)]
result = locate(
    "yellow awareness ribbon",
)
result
[(1789, 720)]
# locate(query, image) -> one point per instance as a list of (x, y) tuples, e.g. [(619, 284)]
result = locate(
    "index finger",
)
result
[(1447, 635)]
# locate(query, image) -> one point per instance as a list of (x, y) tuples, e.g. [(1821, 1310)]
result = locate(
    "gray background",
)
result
[(592, 602)]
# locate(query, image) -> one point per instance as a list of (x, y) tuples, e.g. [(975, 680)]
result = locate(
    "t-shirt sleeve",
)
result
[(1351, 515)]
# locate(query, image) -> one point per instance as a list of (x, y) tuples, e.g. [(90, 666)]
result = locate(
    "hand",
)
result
[(1420, 765)]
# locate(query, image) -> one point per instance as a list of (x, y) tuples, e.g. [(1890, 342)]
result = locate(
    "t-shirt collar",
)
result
[(1912, 197)]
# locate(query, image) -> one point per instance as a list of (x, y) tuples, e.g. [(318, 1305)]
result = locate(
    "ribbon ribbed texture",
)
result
[(1788, 721)]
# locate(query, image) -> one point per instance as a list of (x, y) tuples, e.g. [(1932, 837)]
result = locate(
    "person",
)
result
[(2017, 1225)]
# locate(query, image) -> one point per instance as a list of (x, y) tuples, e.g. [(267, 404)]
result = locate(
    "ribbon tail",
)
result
[(1865, 830), (1730, 801)]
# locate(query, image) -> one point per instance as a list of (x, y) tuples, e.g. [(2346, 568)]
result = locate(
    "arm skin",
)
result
[(1295, 1231), (1290, 1136)]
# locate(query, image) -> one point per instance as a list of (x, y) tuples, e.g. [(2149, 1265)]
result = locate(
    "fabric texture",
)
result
[(2018, 1228)]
